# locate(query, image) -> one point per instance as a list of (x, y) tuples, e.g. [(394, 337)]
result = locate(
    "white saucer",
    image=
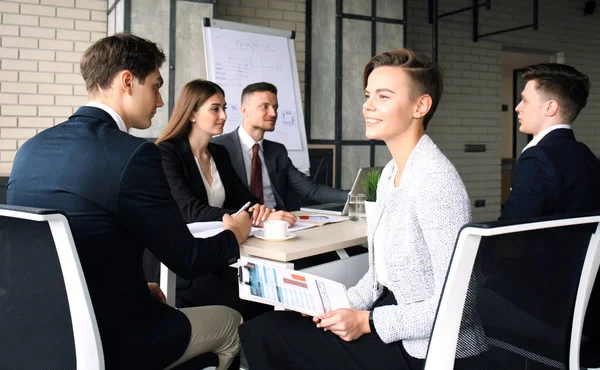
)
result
[(261, 235)]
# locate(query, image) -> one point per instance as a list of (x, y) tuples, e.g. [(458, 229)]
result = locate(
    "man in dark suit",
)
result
[(278, 175), (555, 174), (114, 191)]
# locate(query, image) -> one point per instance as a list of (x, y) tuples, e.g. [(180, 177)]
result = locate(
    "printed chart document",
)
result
[(263, 282)]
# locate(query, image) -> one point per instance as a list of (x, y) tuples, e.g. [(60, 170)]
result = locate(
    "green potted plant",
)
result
[(370, 185)]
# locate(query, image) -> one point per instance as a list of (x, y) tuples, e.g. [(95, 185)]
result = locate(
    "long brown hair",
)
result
[(193, 95)]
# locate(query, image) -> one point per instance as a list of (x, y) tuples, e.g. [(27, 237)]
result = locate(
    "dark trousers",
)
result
[(286, 340)]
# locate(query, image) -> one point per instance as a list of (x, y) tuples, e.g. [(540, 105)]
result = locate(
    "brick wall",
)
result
[(41, 42)]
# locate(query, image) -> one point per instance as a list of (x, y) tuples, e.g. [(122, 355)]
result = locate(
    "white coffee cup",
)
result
[(275, 229)]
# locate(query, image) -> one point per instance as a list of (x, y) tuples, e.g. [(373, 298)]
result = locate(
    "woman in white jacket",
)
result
[(421, 205)]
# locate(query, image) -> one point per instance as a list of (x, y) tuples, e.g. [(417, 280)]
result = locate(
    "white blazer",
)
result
[(421, 219)]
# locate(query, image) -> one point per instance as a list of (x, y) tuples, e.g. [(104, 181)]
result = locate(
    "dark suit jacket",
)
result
[(557, 176), (188, 188), (282, 174), (114, 191)]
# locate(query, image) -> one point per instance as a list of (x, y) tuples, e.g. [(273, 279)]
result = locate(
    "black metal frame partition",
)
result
[(338, 141)]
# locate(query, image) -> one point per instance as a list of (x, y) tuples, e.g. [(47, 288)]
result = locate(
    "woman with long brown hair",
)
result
[(205, 185)]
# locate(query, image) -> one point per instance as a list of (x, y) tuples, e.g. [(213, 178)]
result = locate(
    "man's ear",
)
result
[(552, 108), (243, 109), (422, 106), (125, 79)]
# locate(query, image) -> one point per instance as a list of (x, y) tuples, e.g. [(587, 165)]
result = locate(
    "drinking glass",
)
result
[(356, 209)]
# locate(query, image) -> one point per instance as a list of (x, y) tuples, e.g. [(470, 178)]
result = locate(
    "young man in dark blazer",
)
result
[(555, 174), (112, 187), (279, 175)]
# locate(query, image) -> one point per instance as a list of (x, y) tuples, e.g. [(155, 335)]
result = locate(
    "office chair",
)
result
[(516, 294), (47, 320)]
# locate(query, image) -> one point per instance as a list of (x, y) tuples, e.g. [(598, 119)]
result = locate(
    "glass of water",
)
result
[(356, 209)]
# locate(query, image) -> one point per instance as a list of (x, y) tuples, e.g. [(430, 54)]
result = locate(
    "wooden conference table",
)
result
[(307, 243)]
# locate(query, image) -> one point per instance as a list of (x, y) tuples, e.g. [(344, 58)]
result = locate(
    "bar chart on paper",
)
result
[(263, 282), (292, 290)]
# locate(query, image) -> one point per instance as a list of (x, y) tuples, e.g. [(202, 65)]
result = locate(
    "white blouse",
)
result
[(379, 239), (216, 191)]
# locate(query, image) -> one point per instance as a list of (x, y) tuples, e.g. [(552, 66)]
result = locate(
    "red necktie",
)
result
[(256, 184)]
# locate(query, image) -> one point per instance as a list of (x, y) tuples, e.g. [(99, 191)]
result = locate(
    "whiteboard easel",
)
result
[(238, 55)]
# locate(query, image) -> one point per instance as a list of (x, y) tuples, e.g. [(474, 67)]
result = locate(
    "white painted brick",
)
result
[(282, 5), (72, 35), (36, 99), (9, 53), (29, 1), (63, 56), (36, 122), (54, 111), (17, 133), (8, 155), (6, 7), (8, 98), (20, 142), (6, 30), (48, 11), (56, 45), (92, 4), (43, 33), (9, 76), (18, 110), (27, 54), (80, 90), (19, 65), (294, 16), (36, 77), (99, 16), (65, 3), (18, 19), (76, 68), (55, 89), (95, 36), (57, 23), (73, 13), (55, 67), (69, 78), (19, 42), (18, 87), (255, 3), (82, 46), (59, 120), (5, 168), (8, 121), (90, 26), (8, 144), (71, 101)]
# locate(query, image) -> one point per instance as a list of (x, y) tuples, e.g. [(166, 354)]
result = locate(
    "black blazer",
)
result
[(558, 176), (114, 191), (188, 188), (284, 176)]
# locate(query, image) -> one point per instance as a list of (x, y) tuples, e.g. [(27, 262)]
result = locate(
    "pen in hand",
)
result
[(244, 207)]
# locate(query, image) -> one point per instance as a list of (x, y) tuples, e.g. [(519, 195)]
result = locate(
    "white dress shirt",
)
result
[(247, 142), (536, 139), (112, 112), (216, 191)]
